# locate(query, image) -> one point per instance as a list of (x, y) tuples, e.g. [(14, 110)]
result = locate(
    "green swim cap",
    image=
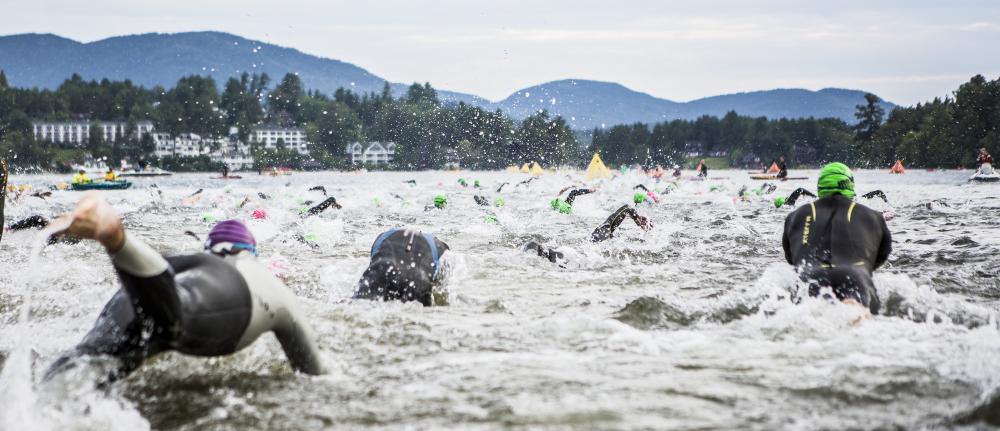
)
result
[(835, 178), (440, 201), (778, 202), (476, 183), (311, 237), (561, 206), (498, 202), (462, 181), (490, 218), (377, 202), (208, 218), (303, 210), (639, 198)]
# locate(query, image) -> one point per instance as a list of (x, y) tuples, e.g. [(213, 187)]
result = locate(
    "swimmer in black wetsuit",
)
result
[(790, 200), (405, 265), (330, 201), (836, 243), (782, 168), (603, 232), (201, 304), (607, 229)]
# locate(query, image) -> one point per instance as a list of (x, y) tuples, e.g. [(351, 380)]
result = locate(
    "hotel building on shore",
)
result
[(77, 133)]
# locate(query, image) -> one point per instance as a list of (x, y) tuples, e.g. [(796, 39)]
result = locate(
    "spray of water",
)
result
[(17, 394)]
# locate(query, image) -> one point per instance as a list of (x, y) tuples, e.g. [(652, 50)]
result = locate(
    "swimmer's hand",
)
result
[(643, 223), (94, 218)]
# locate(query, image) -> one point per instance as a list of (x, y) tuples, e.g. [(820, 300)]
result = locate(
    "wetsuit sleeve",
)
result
[(149, 280), (331, 201), (885, 248), (616, 218), (784, 240), (578, 192)]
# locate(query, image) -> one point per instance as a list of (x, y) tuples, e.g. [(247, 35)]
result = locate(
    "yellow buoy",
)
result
[(596, 169), (536, 170)]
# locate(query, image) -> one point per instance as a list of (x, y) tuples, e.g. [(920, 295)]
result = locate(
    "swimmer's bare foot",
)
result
[(866, 316)]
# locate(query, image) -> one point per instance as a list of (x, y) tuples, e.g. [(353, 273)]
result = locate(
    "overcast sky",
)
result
[(904, 51)]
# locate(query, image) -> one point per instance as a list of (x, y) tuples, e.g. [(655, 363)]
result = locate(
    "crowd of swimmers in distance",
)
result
[(219, 300)]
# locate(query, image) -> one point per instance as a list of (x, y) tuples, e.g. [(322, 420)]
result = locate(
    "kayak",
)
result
[(106, 185), (231, 177), (985, 178)]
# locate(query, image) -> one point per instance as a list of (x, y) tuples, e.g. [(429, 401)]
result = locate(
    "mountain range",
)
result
[(46, 60)]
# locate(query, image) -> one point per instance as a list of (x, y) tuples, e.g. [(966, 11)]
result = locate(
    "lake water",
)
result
[(687, 326)]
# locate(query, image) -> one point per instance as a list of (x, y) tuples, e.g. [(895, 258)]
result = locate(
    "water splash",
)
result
[(17, 393)]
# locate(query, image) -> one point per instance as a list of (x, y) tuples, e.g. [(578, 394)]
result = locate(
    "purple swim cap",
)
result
[(232, 231)]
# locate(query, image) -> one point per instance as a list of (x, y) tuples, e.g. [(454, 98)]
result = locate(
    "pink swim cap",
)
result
[(259, 214)]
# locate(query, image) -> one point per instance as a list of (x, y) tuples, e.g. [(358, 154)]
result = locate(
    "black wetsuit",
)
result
[(197, 304), (876, 194), (405, 265), (607, 229), (837, 243), (481, 200), (576, 192), (330, 201), (548, 253), (3, 192), (790, 201)]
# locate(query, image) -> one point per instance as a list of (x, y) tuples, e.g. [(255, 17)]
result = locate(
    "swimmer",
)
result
[(566, 206), (792, 198), (501, 187), (330, 201), (440, 202), (202, 304), (607, 229), (481, 200), (836, 243), (603, 232), (405, 265), (876, 194)]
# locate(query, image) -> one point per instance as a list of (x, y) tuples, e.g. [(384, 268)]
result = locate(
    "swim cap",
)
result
[(638, 198), (558, 205), (207, 218), (233, 232), (835, 178), (309, 236), (498, 202), (490, 218), (476, 183), (440, 201), (778, 202), (462, 182), (259, 214)]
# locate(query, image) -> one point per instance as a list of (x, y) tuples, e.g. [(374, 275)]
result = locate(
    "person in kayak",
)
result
[(202, 304), (836, 243), (110, 175), (81, 177), (406, 265), (984, 158), (782, 168)]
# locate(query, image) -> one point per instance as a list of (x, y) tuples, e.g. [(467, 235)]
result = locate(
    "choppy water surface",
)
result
[(686, 326)]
